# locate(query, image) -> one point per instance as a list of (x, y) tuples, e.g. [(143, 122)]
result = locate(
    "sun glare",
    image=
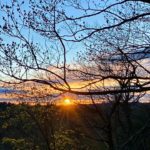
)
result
[(67, 102)]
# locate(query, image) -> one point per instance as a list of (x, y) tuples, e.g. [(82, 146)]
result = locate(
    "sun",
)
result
[(67, 102)]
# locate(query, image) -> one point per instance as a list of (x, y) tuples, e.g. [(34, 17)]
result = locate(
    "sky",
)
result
[(48, 47), (72, 48)]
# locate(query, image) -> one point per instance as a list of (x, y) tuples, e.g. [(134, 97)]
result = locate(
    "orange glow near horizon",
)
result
[(33, 91), (67, 102)]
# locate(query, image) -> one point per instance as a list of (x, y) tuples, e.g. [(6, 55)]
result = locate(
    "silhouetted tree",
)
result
[(41, 32), (114, 48)]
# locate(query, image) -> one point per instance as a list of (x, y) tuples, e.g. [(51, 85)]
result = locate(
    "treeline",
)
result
[(79, 127), (24, 127)]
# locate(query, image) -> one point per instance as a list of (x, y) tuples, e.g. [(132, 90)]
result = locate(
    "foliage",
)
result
[(45, 127)]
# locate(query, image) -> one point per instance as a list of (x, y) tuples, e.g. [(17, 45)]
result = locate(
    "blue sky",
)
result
[(72, 48)]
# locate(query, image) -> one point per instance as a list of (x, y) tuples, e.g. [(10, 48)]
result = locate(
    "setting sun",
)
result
[(67, 102)]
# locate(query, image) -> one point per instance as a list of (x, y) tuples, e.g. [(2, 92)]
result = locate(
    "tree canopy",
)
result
[(60, 41)]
